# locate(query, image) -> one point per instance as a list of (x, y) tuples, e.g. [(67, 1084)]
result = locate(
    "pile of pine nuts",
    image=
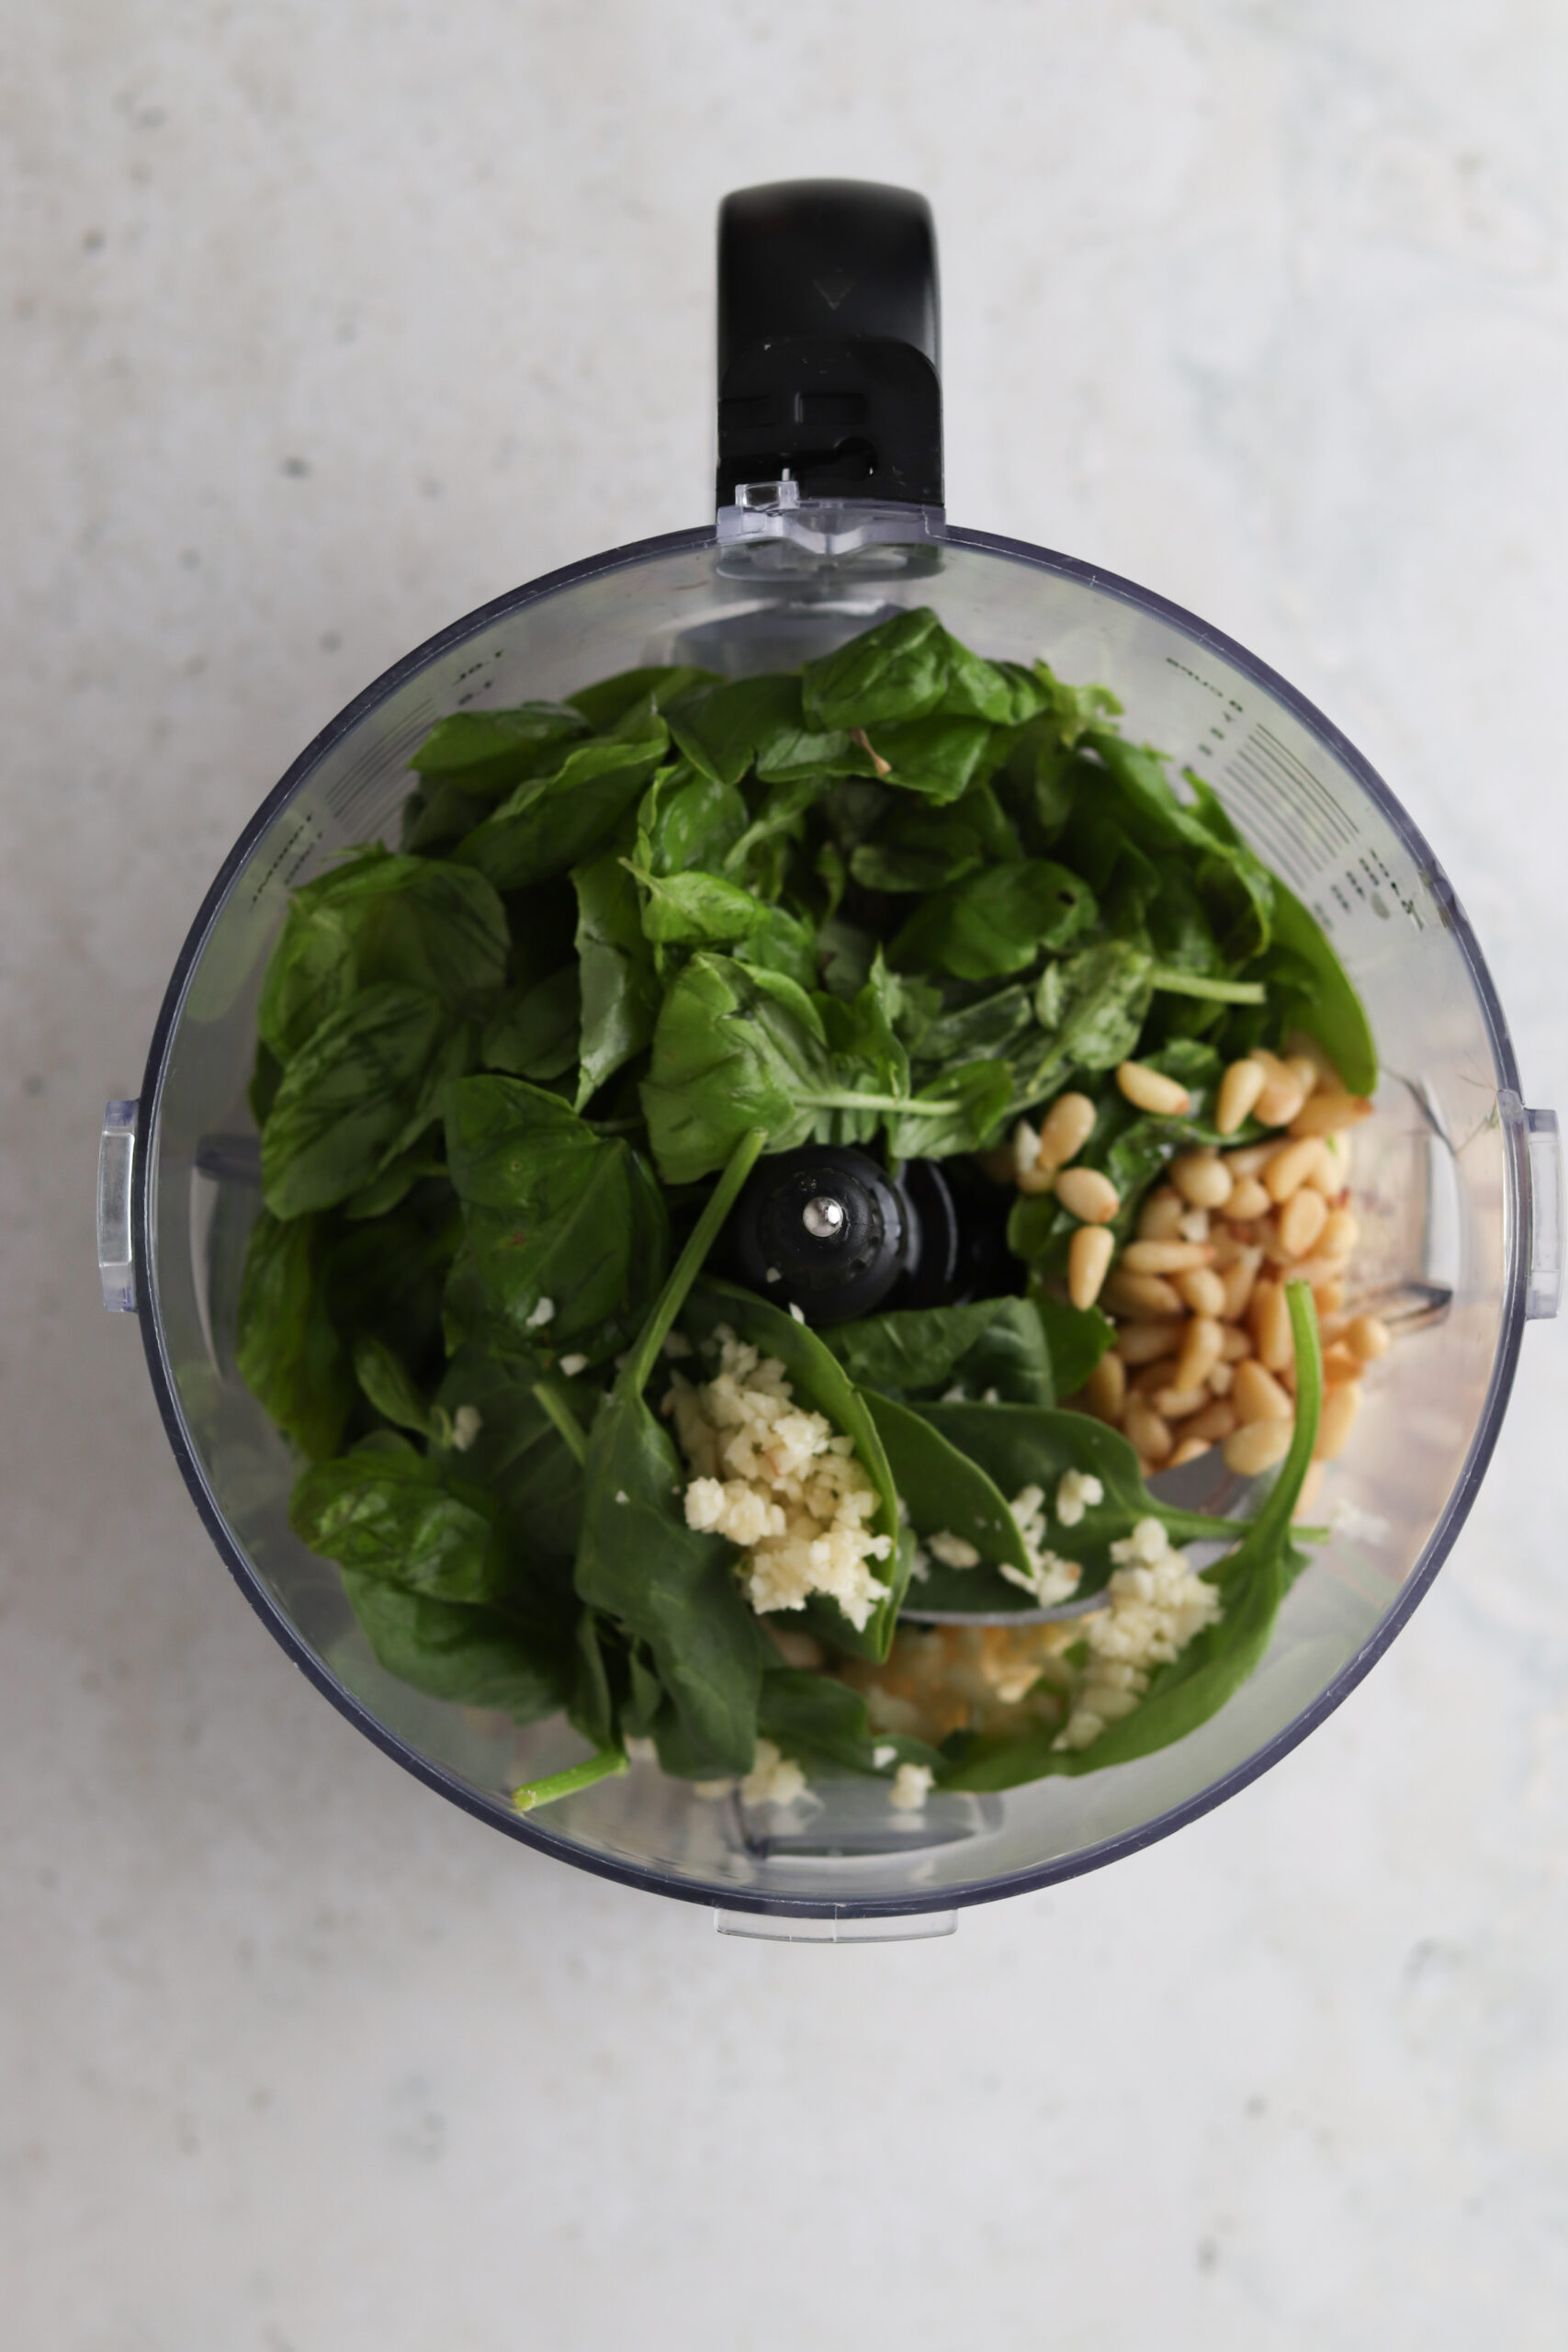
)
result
[(1203, 1353)]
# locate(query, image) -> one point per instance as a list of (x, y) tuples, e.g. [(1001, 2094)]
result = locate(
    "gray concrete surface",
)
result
[(323, 326)]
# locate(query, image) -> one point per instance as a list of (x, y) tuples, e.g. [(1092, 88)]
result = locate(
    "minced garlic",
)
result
[(780, 1483), (774, 1778), (1154, 1607)]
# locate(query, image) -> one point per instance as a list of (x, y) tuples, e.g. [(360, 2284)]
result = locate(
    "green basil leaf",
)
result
[(474, 1657), (411, 921), (937, 757), (897, 670), (779, 942), (697, 908), (1076, 1339), (973, 1107), (535, 1031), (997, 921), (287, 1347), (620, 992), (518, 1452), (684, 820), (1329, 1008), (911, 1352), (998, 1027), (722, 731), (487, 752), (733, 1049), (366, 1086), (555, 1211), (390, 1386), (945, 1491), (556, 822), (385, 1511), (607, 704)]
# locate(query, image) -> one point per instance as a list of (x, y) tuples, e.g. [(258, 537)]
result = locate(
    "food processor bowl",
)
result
[(1456, 1184)]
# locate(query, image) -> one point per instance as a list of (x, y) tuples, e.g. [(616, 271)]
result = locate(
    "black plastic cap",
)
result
[(829, 342)]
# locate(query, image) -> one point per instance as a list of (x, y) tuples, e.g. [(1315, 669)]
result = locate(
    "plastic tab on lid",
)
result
[(1544, 1146), (835, 1927)]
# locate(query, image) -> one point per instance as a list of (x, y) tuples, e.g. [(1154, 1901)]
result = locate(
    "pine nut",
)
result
[(1328, 1111), (1164, 1256), (1153, 1377), (1288, 1169), (1025, 1147), (1219, 1379), (1328, 1297), (1270, 1320), (1089, 1262), (1192, 1449), (1177, 1404), (1237, 1344), (1194, 1225), (1202, 1179), (1239, 1090), (1302, 1219), (1249, 1159), (1139, 1343), (1217, 1419), (1150, 1089), (1088, 1194), (1283, 1094), (1065, 1128), (1036, 1180), (1339, 1236), (1257, 1395), (1203, 1290), (1256, 1446), (1238, 1279), (1105, 1390), (1141, 1296), (1308, 1493), (1367, 1338), (1341, 1363), (1146, 1429), (1340, 1407), (1305, 1071), (1160, 1218), (1249, 1200), (1200, 1351)]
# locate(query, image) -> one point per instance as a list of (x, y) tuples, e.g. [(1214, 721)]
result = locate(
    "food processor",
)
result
[(830, 519)]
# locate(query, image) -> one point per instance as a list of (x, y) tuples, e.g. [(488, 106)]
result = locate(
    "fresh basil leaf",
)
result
[(946, 1492), (1328, 1008), (1091, 1008), (1076, 1339), (385, 1511), (535, 1031), (556, 822), (518, 1452), (996, 1028), (422, 1161), (287, 1347), (971, 1107), (1075, 709), (823, 1725), (606, 704), (487, 752), (697, 908), (910, 1352), (1003, 691), (997, 921), (620, 992), (389, 1385), (1009, 1360), (412, 920), (721, 731), (366, 1085), (819, 1383), (474, 1657), (685, 819), (897, 670), (734, 1048), (937, 757), (781, 943), (555, 1211), (1027, 1445)]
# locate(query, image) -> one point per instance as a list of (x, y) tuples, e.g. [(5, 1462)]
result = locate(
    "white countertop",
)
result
[(325, 325)]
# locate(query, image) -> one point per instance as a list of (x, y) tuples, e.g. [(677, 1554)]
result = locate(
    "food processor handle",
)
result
[(829, 350)]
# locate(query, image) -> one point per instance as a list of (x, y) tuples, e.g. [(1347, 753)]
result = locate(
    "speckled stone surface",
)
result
[(323, 326)]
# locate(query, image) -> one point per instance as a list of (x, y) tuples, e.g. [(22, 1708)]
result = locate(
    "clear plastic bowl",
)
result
[(1456, 1184)]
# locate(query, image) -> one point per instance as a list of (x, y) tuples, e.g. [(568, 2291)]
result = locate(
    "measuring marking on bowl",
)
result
[(831, 517)]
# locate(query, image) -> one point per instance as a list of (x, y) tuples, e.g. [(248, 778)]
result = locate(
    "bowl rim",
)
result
[(533, 1832)]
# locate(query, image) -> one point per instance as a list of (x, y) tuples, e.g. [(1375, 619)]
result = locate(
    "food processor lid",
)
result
[(809, 525)]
